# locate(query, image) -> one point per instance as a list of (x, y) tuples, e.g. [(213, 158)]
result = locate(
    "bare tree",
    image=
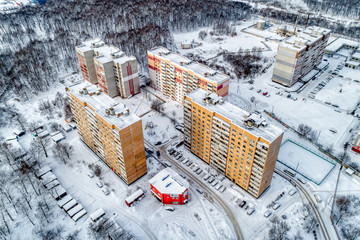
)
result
[(62, 151), (38, 146), (157, 105), (279, 229), (202, 35), (343, 208), (350, 232)]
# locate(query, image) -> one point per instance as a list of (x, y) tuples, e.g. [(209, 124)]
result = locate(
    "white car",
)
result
[(99, 184), (90, 175), (105, 191), (267, 214), (292, 192), (250, 211), (276, 206)]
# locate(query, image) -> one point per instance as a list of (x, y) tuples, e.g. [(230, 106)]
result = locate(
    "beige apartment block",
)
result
[(238, 144), (299, 54), (116, 73), (175, 75), (109, 130)]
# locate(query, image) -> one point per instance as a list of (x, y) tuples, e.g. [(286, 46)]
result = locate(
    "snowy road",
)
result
[(318, 216), (217, 199)]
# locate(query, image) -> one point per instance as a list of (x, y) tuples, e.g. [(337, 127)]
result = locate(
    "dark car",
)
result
[(150, 151), (242, 204), (158, 153), (158, 143)]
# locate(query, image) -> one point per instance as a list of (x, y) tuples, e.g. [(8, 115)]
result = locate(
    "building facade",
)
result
[(109, 130), (116, 73), (169, 187), (299, 54), (237, 144), (175, 75)]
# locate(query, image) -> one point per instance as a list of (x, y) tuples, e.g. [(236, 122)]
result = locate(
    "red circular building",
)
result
[(169, 187)]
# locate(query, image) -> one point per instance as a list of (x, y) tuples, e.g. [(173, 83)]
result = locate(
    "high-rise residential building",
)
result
[(116, 73), (238, 144), (299, 54), (175, 75), (109, 130)]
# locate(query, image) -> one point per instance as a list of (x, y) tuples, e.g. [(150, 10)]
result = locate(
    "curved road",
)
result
[(227, 210), (311, 202)]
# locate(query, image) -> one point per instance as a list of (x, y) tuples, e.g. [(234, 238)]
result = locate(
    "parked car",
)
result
[(90, 174), (158, 143), (200, 191), (267, 214), (276, 206), (301, 180), (250, 211), (258, 91), (268, 95), (264, 93), (242, 204), (199, 171), (251, 88), (99, 184), (105, 191), (292, 192), (318, 198), (170, 208), (207, 177)]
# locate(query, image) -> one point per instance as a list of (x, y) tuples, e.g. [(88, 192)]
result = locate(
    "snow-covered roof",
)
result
[(305, 38), (235, 114), (339, 43), (98, 213), (353, 63), (186, 42), (101, 102), (356, 55), (200, 70), (167, 181), (134, 196), (58, 137), (105, 53)]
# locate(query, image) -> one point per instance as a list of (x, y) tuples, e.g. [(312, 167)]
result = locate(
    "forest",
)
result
[(38, 43)]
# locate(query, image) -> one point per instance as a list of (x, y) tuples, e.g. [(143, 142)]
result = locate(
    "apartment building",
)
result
[(116, 73), (238, 144), (109, 130), (299, 54), (175, 75)]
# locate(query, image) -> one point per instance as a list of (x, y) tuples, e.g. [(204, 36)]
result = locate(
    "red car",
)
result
[(265, 93)]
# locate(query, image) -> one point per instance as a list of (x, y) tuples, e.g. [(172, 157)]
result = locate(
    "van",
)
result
[(276, 206), (171, 209)]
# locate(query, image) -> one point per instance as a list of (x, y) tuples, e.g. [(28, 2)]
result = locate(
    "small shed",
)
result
[(79, 215), (43, 134), (42, 171), (70, 205), (66, 127), (97, 214), (75, 210), (64, 200), (58, 137)]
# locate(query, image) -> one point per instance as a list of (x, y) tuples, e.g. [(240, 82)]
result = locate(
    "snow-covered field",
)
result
[(304, 161)]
